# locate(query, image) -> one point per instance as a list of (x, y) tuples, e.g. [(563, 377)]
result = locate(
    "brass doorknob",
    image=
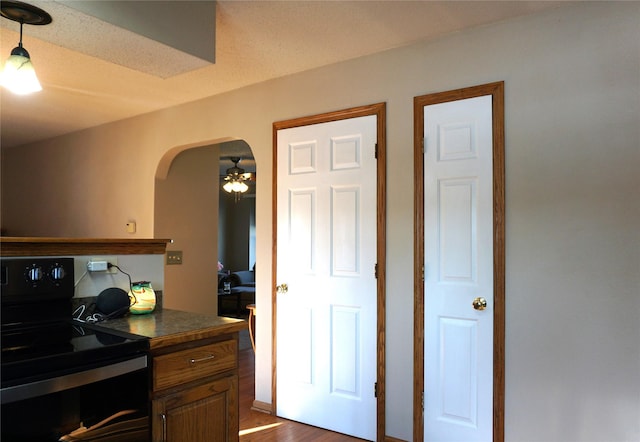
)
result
[(479, 303), (282, 288)]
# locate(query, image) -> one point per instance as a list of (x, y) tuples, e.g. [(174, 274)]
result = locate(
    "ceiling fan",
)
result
[(236, 180)]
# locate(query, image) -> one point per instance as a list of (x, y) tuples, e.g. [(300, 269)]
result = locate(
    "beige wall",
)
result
[(572, 90), (186, 211)]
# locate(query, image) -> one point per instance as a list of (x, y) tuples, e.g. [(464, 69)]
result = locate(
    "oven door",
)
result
[(111, 401), (94, 387)]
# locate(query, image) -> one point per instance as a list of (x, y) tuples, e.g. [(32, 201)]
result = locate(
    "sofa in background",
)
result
[(243, 293), (242, 278)]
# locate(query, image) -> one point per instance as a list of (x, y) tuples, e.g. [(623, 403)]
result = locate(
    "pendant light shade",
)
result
[(18, 74)]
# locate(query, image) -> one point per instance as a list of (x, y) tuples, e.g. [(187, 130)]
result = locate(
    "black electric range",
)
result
[(53, 367), (39, 337), (35, 353)]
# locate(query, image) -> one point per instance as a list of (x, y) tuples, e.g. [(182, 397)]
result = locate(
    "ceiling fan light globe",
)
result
[(242, 187), (237, 186), (228, 186), (18, 75)]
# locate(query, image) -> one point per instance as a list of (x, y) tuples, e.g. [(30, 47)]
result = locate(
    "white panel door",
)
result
[(326, 254), (458, 206)]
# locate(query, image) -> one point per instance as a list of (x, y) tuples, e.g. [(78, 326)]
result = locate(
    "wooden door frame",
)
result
[(496, 90), (379, 110)]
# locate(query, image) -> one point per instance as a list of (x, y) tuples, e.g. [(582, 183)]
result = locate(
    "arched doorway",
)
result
[(186, 210)]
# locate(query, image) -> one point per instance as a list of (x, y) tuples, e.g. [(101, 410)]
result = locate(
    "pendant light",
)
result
[(18, 75)]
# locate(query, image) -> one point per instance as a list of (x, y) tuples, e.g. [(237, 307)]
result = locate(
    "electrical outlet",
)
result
[(109, 259), (174, 257)]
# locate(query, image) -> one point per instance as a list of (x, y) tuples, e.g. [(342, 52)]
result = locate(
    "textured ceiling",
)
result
[(82, 61)]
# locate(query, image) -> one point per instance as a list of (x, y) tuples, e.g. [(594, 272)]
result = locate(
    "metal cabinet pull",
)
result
[(206, 358), (164, 427)]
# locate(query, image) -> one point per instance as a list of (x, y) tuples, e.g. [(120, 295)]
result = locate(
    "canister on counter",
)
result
[(143, 298)]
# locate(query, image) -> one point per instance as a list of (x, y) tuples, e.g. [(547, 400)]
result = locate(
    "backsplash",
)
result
[(139, 267)]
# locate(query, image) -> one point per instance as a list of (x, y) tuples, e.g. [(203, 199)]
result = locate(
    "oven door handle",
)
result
[(72, 380)]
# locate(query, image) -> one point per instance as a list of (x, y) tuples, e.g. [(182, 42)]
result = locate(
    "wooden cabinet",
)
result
[(204, 412), (195, 391)]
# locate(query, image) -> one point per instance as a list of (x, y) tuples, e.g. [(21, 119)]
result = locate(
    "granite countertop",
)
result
[(168, 327)]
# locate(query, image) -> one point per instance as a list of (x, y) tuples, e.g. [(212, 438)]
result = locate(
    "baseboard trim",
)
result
[(262, 407)]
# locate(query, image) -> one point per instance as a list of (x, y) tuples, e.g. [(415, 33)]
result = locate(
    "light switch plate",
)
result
[(174, 257)]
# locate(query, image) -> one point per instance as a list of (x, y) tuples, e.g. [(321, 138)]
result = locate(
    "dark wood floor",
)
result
[(258, 426)]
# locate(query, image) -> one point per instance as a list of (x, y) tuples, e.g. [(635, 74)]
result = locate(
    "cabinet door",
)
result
[(206, 412)]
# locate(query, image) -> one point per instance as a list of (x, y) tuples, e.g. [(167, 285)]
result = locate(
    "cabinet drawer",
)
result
[(195, 363)]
